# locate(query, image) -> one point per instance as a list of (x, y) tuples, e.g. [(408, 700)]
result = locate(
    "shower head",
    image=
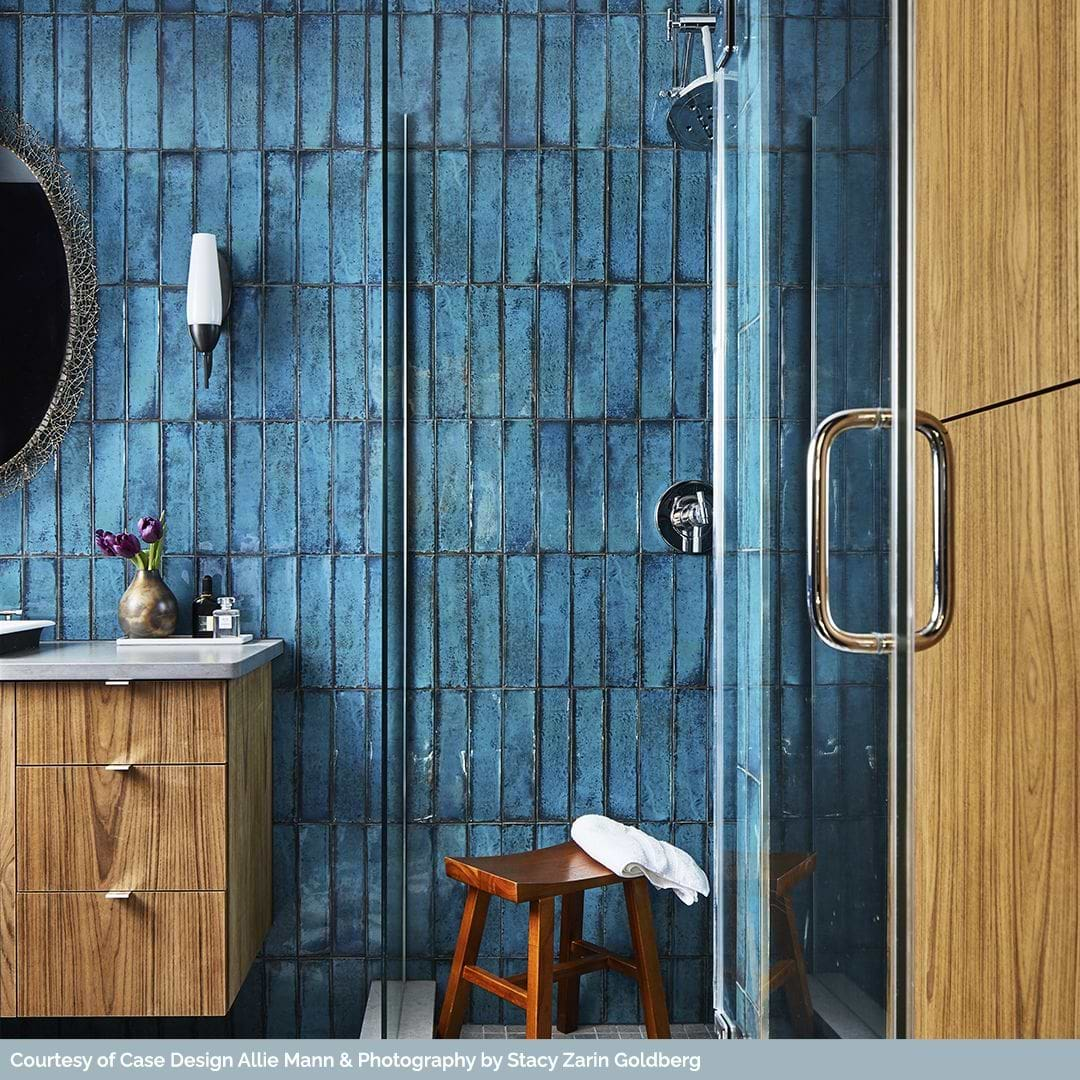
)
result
[(690, 118)]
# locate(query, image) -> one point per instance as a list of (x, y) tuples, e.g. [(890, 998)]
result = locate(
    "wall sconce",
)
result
[(208, 297)]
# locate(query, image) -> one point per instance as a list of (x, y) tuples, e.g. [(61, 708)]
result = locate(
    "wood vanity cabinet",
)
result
[(135, 844)]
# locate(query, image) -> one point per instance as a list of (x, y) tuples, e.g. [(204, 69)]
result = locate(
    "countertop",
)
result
[(100, 660)]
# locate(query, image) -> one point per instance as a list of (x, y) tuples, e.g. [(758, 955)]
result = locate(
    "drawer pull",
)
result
[(119, 894), (117, 682), (118, 767)]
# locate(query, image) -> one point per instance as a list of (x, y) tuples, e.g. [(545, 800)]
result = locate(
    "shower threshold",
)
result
[(843, 1010), (412, 1003)]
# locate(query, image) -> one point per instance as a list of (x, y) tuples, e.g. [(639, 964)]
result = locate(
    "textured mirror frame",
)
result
[(73, 223)]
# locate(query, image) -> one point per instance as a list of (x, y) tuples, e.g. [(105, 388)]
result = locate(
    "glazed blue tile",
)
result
[(245, 225), (421, 354), (588, 754), (622, 766), (450, 750), (657, 185), (280, 509), (349, 503), (315, 1020), (655, 775), (692, 739), (485, 653), (691, 211), (657, 620), (279, 353), (350, 317), (588, 353), (11, 579), (246, 502), (794, 198), (140, 204), (74, 508), (314, 879), (451, 303), (41, 513), (797, 82), (622, 353), (315, 591), (656, 475), (555, 75), (586, 576), (281, 997), (623, 207), (621, 645), (315, 80), (451, 77), (314, 486), (485, 360), (452, 223), (421, 659), (622, 487), (485, 81), (485, 708), (452, 638), (108, 215), (553, 755), (108, 457), (520, 203), (211, 483), (554, 621), (522, 90), (624, 55), (106, 82), (314, 361), (520, 633), (142, 353), (589, 93), (693, 448), (519, 510), (38, 77), (486, 465), (556, 179), (656, 72), (75, 597), (553, 358), (588, 478), (691, 634), (9, 59), (142, 489), (280, 217), (41, 595), (212, 192), (211, 119), (314, 225), (279, 83), (452, 455), (177, 191), (142, 81), (72, 56), (519, 755), (486, 214), (419, 756), (589, 187), (108, 585), (656, 353), (691, 351), (244, 89)]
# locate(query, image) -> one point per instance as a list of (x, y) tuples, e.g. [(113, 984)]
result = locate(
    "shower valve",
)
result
[(684, 517)]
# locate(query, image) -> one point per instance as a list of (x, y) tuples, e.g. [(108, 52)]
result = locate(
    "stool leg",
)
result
[(650, 983), (468, 945), (570, 921), (538, 978), (796, 987)]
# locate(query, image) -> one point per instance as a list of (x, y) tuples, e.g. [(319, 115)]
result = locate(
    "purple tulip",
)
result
[(104, 541), (150, 529), (126, 545)]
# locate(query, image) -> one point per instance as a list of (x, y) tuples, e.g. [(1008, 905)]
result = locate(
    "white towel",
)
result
[(629, 852)]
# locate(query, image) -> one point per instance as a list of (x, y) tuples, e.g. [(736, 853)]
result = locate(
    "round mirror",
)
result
[(47, 302)]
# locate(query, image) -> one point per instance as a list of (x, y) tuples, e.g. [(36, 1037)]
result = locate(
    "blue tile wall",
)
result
[(558, 325)]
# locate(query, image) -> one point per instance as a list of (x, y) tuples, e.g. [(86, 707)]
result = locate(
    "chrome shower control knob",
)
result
[(684, 517)]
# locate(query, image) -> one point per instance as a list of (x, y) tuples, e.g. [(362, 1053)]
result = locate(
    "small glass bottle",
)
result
[(202, 611), (227, 618)]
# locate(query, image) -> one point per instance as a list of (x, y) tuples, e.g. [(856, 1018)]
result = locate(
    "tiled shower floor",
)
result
[(587, 1031)]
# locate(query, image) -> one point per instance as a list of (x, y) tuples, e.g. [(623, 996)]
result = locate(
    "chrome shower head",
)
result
[(690, 118)]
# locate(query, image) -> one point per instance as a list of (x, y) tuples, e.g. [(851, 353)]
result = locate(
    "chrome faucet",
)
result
[(684, 517), (10, 613)]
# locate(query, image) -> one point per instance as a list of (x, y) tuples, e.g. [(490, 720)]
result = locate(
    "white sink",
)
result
[(18, 634)]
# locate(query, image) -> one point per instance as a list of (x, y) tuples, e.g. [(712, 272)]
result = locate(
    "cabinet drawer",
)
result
[(75, 723), (152, 954), (151, 827)]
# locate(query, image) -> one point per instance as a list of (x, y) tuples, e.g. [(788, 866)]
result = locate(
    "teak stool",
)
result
[(786, 870), (538, 877)]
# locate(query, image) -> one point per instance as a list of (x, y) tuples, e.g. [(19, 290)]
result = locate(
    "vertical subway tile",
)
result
[(38, 76), (279, 83), (556, 179), (589, 217), (622, 744), (519, 335), (210, 88), (622, 487), (554, 627), (520, 202), (485, 80), (519, 755), (211, 483), (106, 82), (586, 585), (141, 84), (485, 357), (588, 759), (314, 222), (486, 484), (452, 639), (451, 80), (452, 214), (519, 453), (588, 353), (555, 73), (588, 473), (589, 94), (72, 56), (522, 90), (244, 82), (486, 215), (316, 74), (485, 621)]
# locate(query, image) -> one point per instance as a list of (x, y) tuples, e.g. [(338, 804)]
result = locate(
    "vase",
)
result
[(147, 608)]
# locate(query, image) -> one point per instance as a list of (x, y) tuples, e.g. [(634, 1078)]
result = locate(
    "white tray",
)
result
[(199, 642)]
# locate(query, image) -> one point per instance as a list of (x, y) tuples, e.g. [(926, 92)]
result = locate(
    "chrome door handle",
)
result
[(817, 544), (118, 766), (118, 894)]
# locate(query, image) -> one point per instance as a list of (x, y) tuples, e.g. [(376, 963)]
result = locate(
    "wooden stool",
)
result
[(788, 970), (538, 877)]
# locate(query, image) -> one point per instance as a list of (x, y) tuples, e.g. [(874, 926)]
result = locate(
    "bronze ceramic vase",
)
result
[(147, 608)]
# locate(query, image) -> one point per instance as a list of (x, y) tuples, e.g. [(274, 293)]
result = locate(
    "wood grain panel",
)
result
[(998, 199), (7, 849), (152, 827), (152, 723), (996, 750), (154, 954), (250, 898)]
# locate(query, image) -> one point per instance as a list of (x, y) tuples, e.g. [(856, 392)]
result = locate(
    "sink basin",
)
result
[(19, 634)]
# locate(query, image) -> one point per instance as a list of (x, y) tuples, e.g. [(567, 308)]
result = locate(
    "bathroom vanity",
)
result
[(135, 843)]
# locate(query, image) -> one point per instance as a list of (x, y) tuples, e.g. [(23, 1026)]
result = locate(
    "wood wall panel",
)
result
[(152, 827), (996, 750), (152, 723), (7, 849), (997, 199), (154, 954)]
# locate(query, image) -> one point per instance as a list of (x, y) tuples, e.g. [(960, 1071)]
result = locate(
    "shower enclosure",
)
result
[(620, 251)]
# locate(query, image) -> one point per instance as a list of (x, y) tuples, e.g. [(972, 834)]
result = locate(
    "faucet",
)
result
[(7, 614), (690, 519)]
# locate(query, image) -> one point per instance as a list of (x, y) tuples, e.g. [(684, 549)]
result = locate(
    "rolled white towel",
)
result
[(629, 852)]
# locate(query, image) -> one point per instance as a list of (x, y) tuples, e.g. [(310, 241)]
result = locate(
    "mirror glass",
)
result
[(35, 304)]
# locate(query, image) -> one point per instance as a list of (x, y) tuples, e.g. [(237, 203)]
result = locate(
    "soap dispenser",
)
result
[(227, 618)]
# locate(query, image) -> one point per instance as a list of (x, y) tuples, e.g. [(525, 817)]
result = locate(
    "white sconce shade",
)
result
[(207, 297)]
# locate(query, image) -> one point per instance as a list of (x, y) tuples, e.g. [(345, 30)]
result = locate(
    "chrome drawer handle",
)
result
[(119, 895), (118, 767), (117, 682), (817, 530)]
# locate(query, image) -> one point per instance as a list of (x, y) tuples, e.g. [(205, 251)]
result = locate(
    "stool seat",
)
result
[(537, 878), (530, 875)]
